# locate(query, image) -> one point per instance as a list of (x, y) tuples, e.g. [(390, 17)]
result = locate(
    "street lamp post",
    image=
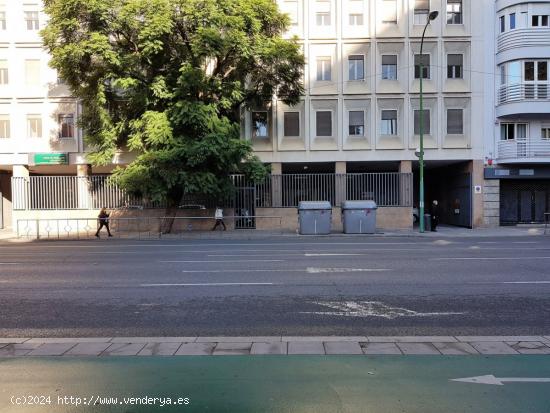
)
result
[(432, 16)]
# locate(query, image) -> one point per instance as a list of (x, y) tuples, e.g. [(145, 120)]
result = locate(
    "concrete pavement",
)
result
[(276, 345)]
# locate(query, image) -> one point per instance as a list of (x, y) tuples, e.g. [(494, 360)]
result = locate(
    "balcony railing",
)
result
[(523, 149), (520, 38), (524, 91)]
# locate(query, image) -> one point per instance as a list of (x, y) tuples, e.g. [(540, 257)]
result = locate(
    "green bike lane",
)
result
[(255, 384)]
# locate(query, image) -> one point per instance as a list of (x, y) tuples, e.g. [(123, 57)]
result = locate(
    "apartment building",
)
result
[(361, 111), (355, 134), (519, 153)]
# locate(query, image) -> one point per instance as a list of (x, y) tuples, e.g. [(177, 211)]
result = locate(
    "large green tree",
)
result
[(167, 80)]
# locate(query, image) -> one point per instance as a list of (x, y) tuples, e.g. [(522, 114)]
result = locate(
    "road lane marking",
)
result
[(204, 284), (525, 282), (222, 261), (330, 255), (311, 270), (499, 381), (370, 309), (10, 263), (488, 258)]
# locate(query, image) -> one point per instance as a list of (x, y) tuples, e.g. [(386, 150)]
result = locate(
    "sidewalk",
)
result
[(275, 345)]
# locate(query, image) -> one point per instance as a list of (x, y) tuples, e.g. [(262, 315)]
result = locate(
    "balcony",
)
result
[(523, 98), (524, 151), (523, 38)]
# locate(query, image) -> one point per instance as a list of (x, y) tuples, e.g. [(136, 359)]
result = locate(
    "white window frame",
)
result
[(60, 122), (453, 67), (356, 19), (321, 66), (451, 14), (427, 67), (545, 132), (362, 134), (299, 122), (384, 73), (426, 131), (255, 134), (391, 127), (4, 74), (3, 20), (5, 126), (357, 76), (331, 123), (32, 20), (447, 121), (39, 127), (420, 16), (394, 20)]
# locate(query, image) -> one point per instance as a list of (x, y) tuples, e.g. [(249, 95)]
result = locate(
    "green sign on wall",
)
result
[(50, 158)]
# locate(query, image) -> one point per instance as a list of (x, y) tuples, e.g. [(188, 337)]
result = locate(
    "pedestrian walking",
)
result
[(218, 215), (103, 221), (435, 215)]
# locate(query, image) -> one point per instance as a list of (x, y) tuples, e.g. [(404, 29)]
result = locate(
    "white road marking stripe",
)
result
[(330, 255), (340, 270), (10, 263), (236, 270), (204, 284), (489, 258), (309, 270), (525, 282), (222, 261)]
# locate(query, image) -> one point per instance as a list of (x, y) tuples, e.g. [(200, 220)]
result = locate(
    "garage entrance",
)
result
[(524, 202)]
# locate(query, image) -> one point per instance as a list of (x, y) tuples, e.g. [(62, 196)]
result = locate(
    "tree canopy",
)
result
[(167, 80)]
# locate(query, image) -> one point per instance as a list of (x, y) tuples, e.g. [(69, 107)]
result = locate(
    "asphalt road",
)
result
[(282, 286)]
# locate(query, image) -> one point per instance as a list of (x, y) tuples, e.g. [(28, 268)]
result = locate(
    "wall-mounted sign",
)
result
[(49, 159), (477, 189)]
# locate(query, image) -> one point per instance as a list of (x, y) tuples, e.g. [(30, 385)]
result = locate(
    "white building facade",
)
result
[(485, 97), (519, 154)]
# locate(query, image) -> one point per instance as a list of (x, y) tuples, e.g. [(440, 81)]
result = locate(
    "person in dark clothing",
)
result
[(435, 215), (103, 221)]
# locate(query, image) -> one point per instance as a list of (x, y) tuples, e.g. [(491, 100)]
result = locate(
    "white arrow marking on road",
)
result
[(499, 381)]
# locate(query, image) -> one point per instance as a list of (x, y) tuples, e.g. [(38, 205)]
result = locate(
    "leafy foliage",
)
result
[(167, 79)]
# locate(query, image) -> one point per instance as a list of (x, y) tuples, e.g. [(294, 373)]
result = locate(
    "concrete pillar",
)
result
[(20, 187), (276, 184), (20, 171), (491, 203), (406, 184), (340, 169), (83, 172), (475, 168)]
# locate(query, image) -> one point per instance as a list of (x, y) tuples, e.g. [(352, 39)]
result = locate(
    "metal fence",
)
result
[(286, 191)]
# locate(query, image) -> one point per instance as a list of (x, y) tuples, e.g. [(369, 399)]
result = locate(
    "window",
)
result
[(542, 71), (421, 11), (545, 132), (454, 11), (512, 21), (389, 122), (389, 11), (324, 123), (357, 123), (356, 65), (454, 66), (539, 20), (322, 15), (503, 74), (513, 131), (455, 121), (3, 20), (514, 73), (502, 24), (529, 72), (426, 126), (4, 76), (423, 60), (34, 126), (291, 124), (259, 125), (5, 127), (323, 69), (32, 72), (66, 126), (291, 8), (32, 20), (389, 67), (355, 19)]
